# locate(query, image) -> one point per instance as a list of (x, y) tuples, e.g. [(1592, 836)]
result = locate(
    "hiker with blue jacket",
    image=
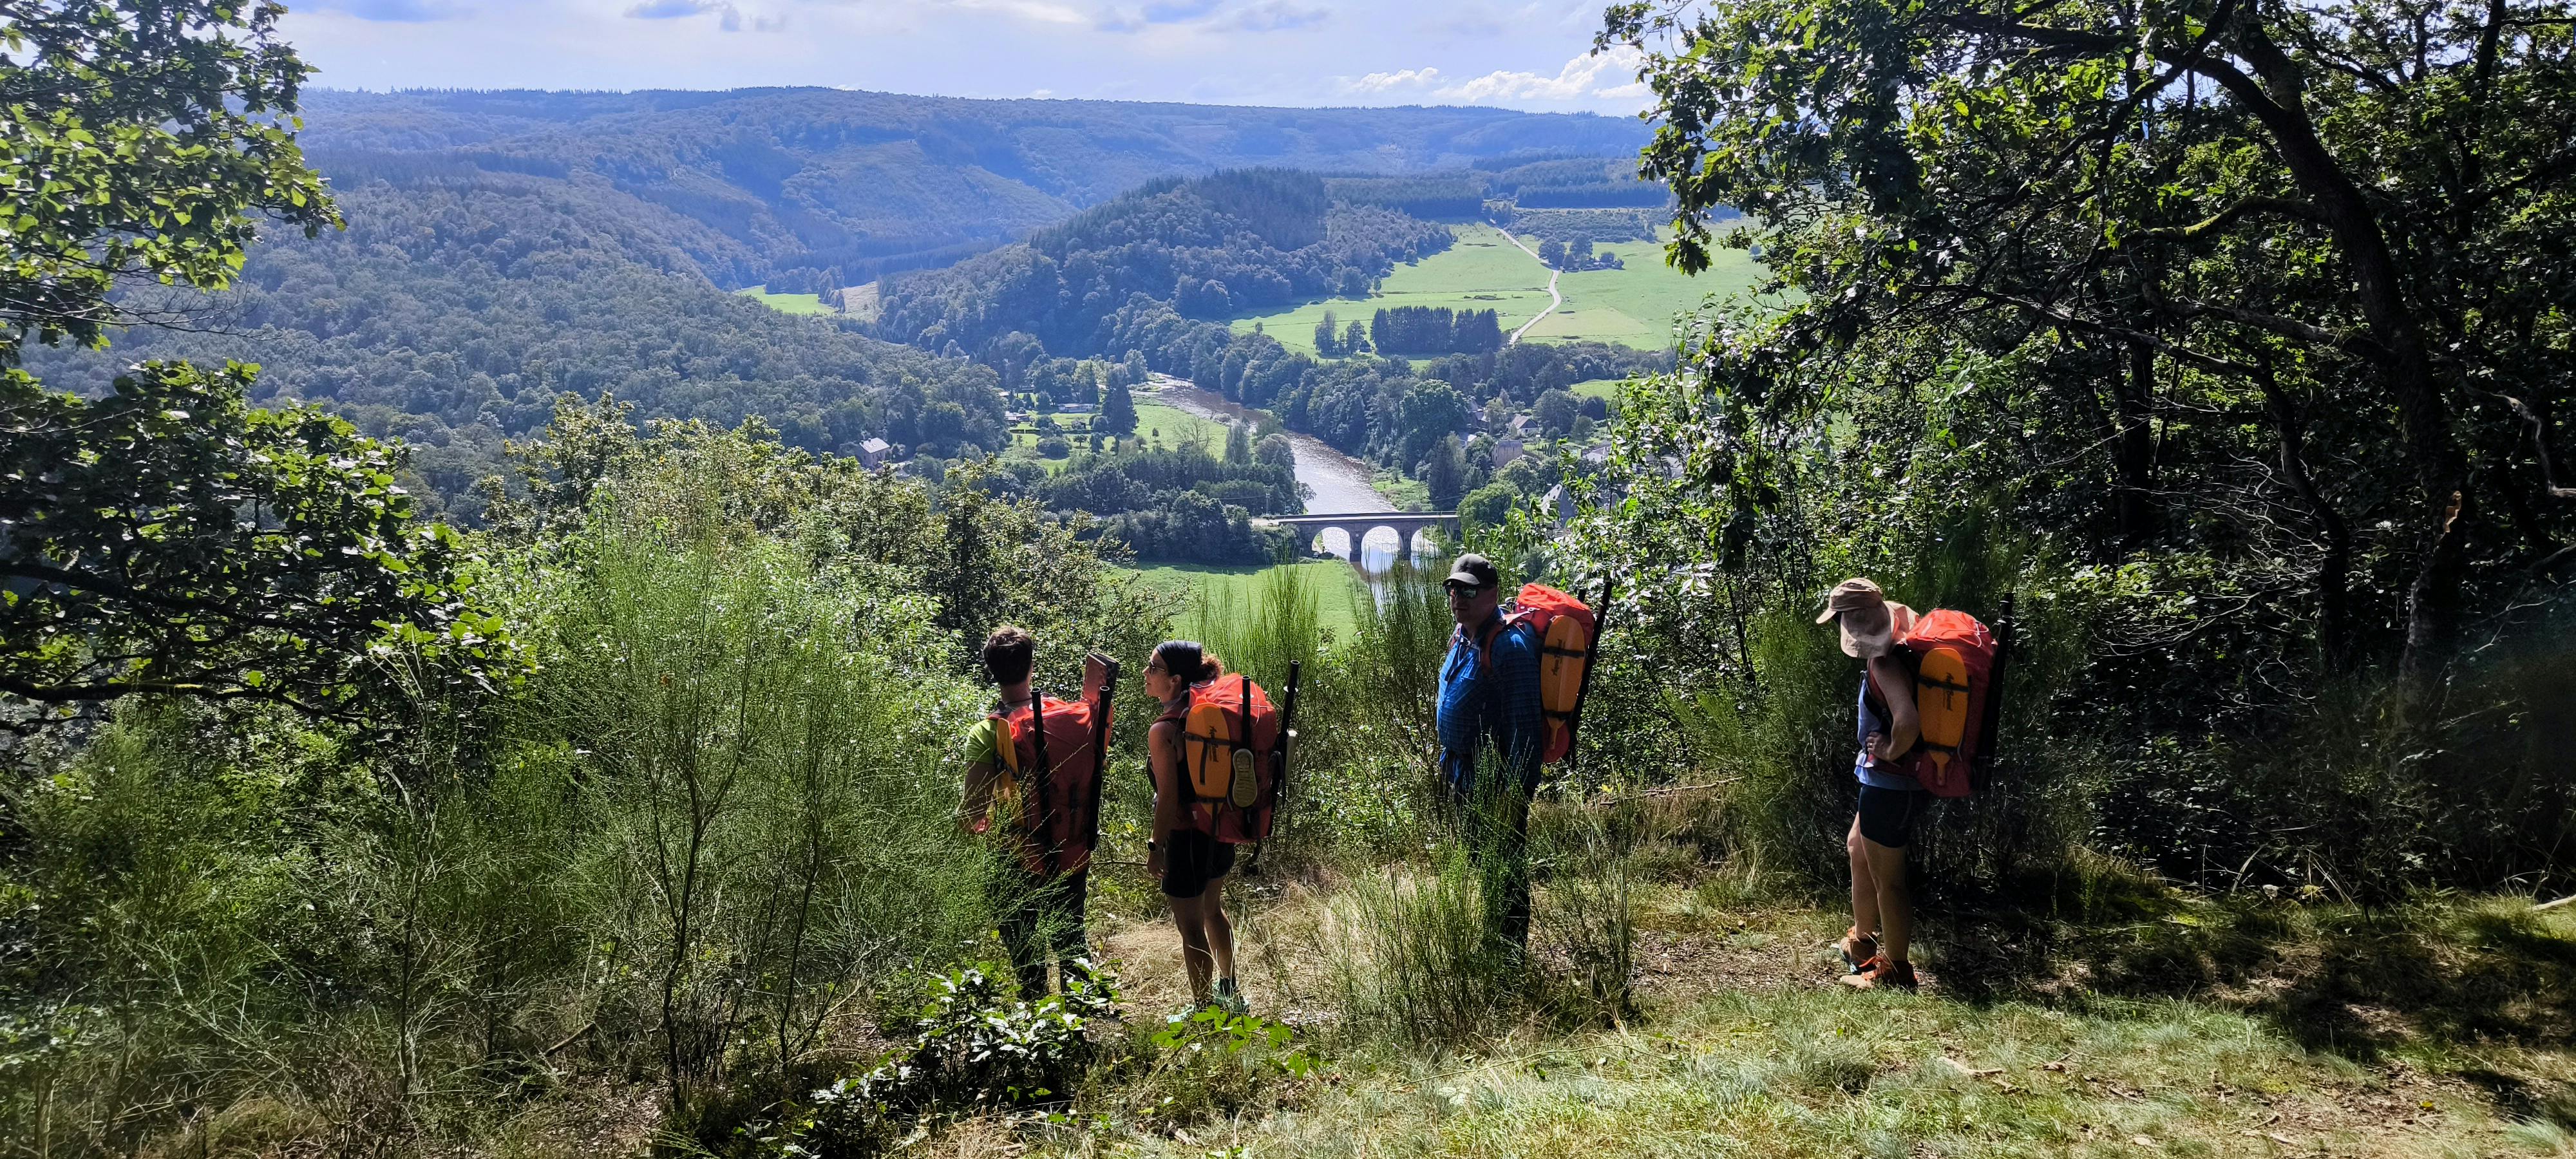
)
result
[(1490, 715)]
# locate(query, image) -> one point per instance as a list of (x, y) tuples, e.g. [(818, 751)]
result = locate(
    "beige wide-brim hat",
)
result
[(1871, 624)]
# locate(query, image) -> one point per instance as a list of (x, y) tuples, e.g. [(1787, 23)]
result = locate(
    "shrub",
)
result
[(970, 1049)]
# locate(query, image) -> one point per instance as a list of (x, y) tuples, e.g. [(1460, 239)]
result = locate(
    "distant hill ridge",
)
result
[(756, 185)]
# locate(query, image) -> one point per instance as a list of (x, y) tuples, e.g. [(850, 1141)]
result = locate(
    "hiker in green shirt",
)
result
[(1045, 793)]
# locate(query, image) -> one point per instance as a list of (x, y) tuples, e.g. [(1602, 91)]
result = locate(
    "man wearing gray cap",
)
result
[(1489, 696), (1890, 801)]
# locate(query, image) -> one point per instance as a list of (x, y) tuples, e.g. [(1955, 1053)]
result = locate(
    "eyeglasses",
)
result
[(1468, 591)]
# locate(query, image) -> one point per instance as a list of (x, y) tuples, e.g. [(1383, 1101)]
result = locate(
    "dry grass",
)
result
[(1745, 1047)]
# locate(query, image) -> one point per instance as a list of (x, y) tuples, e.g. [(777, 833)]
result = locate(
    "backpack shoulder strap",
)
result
[(1507, 622), (1006, 753)]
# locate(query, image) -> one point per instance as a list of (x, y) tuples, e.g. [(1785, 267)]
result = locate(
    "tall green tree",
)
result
[(171, 540), (2338, 219), (1118, 407), (1432, 409), (143, 141), (168, 539), (1444, 473)]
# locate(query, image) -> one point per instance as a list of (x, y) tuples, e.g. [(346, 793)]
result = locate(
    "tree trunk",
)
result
[(2432, 602), (2334, 571)]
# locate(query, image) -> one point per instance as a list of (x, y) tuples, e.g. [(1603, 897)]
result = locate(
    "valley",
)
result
[(515, 602)]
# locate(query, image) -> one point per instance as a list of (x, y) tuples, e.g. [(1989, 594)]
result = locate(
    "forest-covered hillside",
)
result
[(786, 180), (1245, 239), (452, 313)]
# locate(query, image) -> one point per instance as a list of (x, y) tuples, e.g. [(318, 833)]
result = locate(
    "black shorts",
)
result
[(1887, 815), (1192, 860)]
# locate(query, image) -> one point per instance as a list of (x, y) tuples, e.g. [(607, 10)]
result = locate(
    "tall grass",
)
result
[(1403, 635), (1412, 956), (1261, 633)]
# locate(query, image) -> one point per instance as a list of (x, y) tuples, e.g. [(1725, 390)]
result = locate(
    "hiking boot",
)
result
[(1230, 999), (1857, 949), (1878, 972)]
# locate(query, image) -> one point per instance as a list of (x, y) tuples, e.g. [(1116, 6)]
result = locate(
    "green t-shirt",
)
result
[(983, 743)]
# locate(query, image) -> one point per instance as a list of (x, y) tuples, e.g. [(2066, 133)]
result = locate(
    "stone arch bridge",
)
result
[(1358, 524)]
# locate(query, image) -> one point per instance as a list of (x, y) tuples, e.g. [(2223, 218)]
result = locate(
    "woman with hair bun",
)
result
[(1190, 863)]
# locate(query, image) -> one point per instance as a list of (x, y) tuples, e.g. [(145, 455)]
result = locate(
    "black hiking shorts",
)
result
[(1194, 860), (1887, 815)]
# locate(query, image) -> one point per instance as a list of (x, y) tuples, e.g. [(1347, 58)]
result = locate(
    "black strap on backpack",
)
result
[(1044, 782), (1981, 765), (1100, 746), (1279, 762), (1591, 661)]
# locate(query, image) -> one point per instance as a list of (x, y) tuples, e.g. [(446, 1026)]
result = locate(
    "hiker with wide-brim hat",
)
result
[(1881, 934)]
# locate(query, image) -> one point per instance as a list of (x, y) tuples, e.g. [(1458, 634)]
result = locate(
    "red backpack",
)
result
[(1566, 632), (1954, 666), (1059, 794), (1231, 759)]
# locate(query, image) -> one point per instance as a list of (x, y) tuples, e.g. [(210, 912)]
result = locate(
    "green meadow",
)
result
[(1338, 589), (1170, 426), (1484, 271), (787, 303), (1633, 306)]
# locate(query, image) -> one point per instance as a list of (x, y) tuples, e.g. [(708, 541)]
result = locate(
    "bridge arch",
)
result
[(1356, 528)]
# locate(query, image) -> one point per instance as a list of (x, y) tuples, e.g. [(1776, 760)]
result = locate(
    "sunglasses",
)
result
[(1459, 589)]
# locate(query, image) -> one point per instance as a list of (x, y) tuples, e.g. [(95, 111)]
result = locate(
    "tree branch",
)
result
[(2282, 206), (2261, 320), (2053, 314), (2539, 442)]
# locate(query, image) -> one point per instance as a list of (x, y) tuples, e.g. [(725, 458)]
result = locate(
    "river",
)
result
[(1335, 482)]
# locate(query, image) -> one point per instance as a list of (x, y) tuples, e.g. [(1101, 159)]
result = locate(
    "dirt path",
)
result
[(1554, 299)]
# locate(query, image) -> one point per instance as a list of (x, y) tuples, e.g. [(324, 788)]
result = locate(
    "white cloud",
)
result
[(1379, 82), (1276, 16), (1589, 77), (1037, 10)]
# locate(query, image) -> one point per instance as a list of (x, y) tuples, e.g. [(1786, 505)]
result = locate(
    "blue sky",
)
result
[(1270, 52)]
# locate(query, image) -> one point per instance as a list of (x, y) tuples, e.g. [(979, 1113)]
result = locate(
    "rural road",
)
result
[(1554, 299)]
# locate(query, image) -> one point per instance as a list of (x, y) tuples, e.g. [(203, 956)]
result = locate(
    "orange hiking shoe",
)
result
[(1857, 949), (1878, 972)]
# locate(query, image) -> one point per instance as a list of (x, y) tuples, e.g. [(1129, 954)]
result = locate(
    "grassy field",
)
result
[(1337, 608), (1171, 426), (1606, 389), (1484, 271), (1633, 306), (788, 303)]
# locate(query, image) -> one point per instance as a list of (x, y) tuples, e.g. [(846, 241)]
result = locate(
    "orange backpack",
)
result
[(1054, 771), (1954, 659), (1567, 633), (1232, 761)]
